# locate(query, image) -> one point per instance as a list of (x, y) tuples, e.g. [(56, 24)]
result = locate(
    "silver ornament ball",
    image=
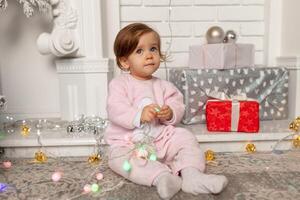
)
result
[(230, 37), (2, 101), (70, 129), (214, 34)]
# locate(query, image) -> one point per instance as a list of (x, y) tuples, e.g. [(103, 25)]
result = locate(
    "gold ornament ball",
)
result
[(95, 158), (40, 157), (295, 124), (25, 130), (250, 148), (296, 141), (209, 155)]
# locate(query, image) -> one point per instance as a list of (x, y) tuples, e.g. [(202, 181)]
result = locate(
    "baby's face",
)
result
[(145, 59)]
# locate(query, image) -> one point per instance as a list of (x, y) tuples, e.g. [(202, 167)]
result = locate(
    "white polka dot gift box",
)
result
[(268, 85)]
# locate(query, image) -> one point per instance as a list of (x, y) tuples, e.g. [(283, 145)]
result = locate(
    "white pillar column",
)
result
[(273, 26), (289, 51), (293, 64), (77, 37)]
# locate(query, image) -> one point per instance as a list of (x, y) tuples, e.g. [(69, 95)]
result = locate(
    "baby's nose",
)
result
[(149, 54)]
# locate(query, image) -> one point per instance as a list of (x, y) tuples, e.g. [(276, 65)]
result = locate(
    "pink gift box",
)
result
[(221, 56)]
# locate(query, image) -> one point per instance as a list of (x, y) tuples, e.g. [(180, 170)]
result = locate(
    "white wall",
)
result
[(290, 28), (190, 20), (28, 79)]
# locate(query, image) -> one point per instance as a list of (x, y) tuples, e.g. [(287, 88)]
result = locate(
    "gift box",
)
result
[(232, 115), (221, 56), (268, 85)]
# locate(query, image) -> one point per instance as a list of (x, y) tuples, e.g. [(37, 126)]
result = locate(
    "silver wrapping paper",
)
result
[(267, 85)]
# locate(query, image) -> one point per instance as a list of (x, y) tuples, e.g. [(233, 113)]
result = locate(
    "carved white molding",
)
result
[(84, 65), (83, 84), (63, 41)]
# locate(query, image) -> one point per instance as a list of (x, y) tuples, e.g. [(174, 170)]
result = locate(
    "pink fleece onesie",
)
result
[(176, 148)]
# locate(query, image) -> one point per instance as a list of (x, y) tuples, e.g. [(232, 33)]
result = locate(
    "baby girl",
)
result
[(137, 100)]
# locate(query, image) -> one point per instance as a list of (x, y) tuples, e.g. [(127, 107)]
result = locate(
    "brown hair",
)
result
[(128, 39)]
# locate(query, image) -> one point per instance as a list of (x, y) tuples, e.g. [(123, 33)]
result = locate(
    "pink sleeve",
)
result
[(174, 99), (119, 109)]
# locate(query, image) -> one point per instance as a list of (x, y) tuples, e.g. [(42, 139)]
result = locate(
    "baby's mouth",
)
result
[(149, 65)]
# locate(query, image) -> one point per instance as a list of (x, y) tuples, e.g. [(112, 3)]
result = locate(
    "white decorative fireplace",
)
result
[(83, 72)]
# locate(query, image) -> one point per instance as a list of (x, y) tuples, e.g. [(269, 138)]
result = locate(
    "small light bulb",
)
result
[(87, 188), (126, 166), (153, 157), (99, 176), (95, 187)]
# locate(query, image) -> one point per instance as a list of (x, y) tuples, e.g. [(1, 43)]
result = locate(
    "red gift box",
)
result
[(227, 115)]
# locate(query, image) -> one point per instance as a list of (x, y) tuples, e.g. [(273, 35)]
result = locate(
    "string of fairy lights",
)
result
[(169, 43), (84, 125)]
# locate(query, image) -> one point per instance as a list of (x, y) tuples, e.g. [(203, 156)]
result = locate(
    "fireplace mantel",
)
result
[(76, 41)]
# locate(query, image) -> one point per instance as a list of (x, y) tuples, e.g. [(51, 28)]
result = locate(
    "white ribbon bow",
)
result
[(235, 110), (223, 96)]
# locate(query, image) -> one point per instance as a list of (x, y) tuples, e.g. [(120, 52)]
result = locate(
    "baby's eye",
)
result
[(139, 51), (153, 49)]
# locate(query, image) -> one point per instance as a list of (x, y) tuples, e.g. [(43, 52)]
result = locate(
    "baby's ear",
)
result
[(124, 62)]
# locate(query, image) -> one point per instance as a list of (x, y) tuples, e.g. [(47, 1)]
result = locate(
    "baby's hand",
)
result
[(149, 113), (165, 113)]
